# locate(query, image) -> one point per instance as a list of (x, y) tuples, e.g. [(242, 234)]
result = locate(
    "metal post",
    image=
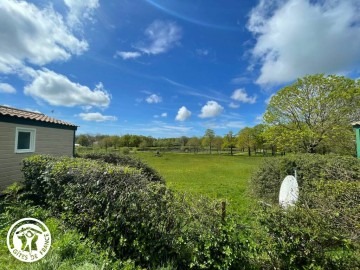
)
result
[(356, 127), (357, 131)]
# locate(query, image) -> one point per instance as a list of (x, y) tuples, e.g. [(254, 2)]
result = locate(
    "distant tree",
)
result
[(134, 141), (106, 142), (314, 113), (84, 140), (245, 139), (115, 141), (183, 140), (218, 142), (258, 133), (125, 140), (209, 138), (229, 141), (194, 144)]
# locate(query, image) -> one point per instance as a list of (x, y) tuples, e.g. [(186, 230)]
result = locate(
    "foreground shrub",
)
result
[(322, 231), (323, 236), (69, 249), (137, 218), (266, 181), (126, 160)]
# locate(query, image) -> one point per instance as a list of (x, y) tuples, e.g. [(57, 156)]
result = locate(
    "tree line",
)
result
[(313, 115), (209, 142)]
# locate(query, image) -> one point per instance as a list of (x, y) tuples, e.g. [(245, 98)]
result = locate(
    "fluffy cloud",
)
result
[(153, 99), (127, 55), (35, 36), (79, 10), (211, 109), (242, 96), (58, 90), (299, 37), (7, 88), (162, 37), (183, 114), (164, 114), (97, 117)]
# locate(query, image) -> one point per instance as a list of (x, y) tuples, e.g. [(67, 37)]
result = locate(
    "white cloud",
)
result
[(299, 37), (241, 95), (127, 55), (58, 90), (211, 109), (35, 36), (162, 37), (233, 105), (79, 10), (7, 88), (153, 99), (97, 117), (183, 114), (164, 114)]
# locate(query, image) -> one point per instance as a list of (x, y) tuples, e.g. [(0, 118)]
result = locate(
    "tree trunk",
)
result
[(249, 151), (273, 150)]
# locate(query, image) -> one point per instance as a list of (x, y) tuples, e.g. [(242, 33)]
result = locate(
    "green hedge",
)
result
[(125, 160), (311, 168), (322, 231), (136, 218)]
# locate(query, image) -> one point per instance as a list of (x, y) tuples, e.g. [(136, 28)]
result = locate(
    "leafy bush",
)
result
[(322, 231), (142, 220), (310, 169), (125, 150), (69, 249), (323, 236), (126, 160)]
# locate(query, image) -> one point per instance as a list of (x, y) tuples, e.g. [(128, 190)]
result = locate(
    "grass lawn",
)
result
[(217, 176)]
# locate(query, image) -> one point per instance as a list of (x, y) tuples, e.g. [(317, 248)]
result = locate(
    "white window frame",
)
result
[(32, 140)]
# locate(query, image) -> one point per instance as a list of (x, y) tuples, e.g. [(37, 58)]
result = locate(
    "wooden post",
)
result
[(223, 210)]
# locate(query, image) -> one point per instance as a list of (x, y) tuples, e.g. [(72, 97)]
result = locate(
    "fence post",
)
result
[(223, 210)]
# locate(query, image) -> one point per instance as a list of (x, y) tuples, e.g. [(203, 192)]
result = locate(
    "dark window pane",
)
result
[(23, 140)]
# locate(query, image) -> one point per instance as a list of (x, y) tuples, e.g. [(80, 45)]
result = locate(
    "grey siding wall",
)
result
[(53, 141)]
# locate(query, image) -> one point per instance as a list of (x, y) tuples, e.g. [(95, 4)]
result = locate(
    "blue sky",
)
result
[(168, 68)]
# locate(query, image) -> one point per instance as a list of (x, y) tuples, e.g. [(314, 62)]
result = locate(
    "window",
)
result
[(25, 140)]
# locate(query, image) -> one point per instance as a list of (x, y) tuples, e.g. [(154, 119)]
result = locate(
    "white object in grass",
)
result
[(289, 192)]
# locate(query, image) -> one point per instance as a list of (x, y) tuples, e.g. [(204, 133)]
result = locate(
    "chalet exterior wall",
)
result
[(50, 139)]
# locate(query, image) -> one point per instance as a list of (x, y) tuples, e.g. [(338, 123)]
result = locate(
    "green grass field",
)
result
[(216, 176)]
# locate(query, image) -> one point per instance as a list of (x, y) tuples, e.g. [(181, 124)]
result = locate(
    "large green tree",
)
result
[(84, 140), (245, 139), (209, 138), (194, 144), (229, 141), (314, 114)]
